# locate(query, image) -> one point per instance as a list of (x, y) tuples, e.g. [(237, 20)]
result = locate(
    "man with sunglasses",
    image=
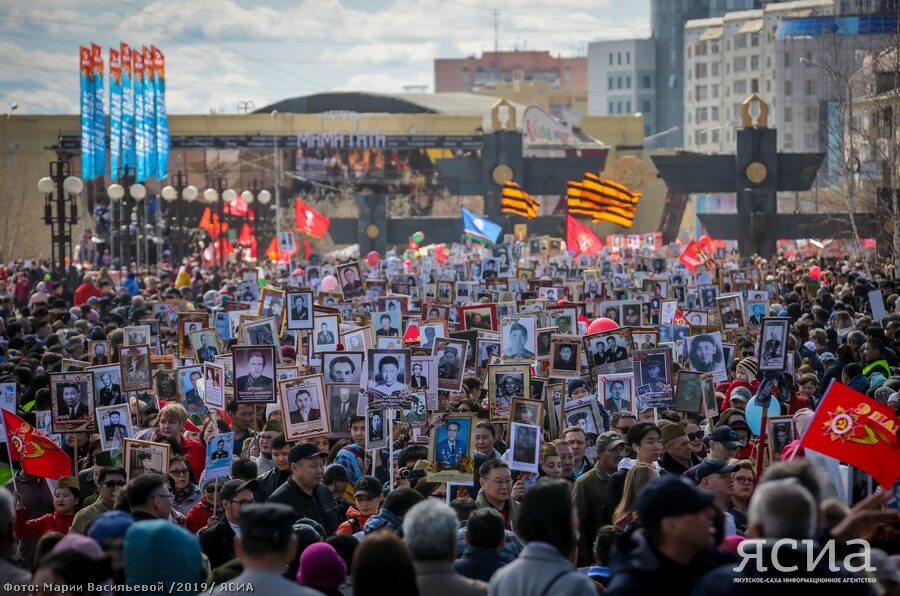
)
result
[(217, 543), (110, 483)]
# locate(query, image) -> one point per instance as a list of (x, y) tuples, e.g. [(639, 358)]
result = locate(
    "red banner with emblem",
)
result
[(38, 455)]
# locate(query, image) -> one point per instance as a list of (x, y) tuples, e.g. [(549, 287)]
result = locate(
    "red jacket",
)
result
[(753, 386), (194, 454), (199, 515), (798, 402), (346, 527), (85, 291), (52, 522)]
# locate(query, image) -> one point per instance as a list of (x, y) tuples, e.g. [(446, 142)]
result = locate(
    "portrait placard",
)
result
[(134, 362), (254, 374), (304, 404), (452, 441), (145, 456), (525, 453), (114, 426)]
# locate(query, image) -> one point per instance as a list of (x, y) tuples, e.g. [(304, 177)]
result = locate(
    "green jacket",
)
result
[(85, 517), (482, 501)]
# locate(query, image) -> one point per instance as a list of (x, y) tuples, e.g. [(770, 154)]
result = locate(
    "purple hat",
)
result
[(78, 543), (321, 566)]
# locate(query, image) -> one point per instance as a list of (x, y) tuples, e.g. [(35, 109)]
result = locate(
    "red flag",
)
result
[(691, 257), (580, 239), (858, 430), (307, 248), (39, 455), (439, 253), (310, 221), (245, 238)]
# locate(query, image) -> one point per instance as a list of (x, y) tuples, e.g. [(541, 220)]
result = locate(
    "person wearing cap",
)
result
[(678, 456), (65, 503), (740, 396), (590, 493), (218, 542), (265, 545), (304, 490), (714, 475), (110, 483), (723, 443), (369, 497), (673, 547)]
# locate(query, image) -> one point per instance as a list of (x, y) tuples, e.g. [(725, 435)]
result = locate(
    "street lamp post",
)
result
[(176, 195), (852, 161), (67, 188), (119, 194)]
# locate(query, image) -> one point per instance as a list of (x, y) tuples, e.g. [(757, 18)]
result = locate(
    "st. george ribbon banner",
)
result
[(87, 113)]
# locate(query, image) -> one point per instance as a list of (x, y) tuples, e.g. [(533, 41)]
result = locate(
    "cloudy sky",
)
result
[(222, 52)]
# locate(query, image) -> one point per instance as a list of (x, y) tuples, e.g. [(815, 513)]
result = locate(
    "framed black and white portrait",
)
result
[(304, 405), (451, 358), (773, 344), (705, 354), (254, 374), (299, 310), (342, 367), (72, 397), (565, 356), (526, 443), (616, 392)]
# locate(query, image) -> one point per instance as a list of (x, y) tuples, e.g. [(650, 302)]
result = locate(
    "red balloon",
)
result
[(602, 324), (562, 302), (298, 271), (815, 272), (372, 258)]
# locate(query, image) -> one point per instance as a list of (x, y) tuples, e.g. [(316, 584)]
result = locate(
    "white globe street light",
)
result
[(168, 193), (115, 192), (229, 195), (210, 195), (138, 191), (189, 193), (45, 185), (73, 185), (264, 197), (247, 197)]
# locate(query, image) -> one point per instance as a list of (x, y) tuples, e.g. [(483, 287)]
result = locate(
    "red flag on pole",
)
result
[(580, 239), (858, 430), (310, 221), (307, 248), (691, 257), (38, 454)]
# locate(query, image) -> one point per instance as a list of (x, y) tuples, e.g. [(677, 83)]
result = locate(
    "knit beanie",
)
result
[(160, 551), (750, 365), (321, 566)]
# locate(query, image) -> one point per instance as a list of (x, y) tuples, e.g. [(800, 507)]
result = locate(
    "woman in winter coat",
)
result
[(66, 499)]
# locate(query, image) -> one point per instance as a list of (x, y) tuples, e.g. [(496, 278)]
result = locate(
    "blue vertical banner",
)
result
[(115, 114), (140, 141), (128, 158), (162, 119), (99, 126), (87, 114), (150, 112)]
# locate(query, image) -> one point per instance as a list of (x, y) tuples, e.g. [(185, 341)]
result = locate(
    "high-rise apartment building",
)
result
[(622, 79)]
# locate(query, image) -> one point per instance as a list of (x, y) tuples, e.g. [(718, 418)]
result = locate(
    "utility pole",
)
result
[(496, 14), (276, 172)]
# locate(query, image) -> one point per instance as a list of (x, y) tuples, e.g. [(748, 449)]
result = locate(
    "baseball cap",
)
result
[(670, 496), (712, 466), (725, 434), (303, 451), (267, 522), (367, 486), (827, 357), (740, 394), (609, 440), (233, 487)]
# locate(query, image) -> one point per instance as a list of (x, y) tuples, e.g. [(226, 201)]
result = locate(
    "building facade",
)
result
[(667, 21), (622, 79), (728, 58)]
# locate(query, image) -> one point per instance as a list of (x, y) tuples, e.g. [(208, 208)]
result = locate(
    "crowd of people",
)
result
[(644, 496)]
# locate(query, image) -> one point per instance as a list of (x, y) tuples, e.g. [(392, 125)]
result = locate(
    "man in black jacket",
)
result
[(278, 475), (217, 543), (304, 490)]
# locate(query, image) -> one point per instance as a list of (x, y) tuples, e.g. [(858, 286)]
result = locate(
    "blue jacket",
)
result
[(479, 563), (508, 553)]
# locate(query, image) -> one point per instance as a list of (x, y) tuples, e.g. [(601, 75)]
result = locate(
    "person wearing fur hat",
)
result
[(66, 499)]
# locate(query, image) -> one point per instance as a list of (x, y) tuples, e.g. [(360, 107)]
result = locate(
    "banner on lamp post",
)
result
[(87, 113), (99, 115), (140, 140), (128, 156), (115, 113), (149, 112), (162, 119)]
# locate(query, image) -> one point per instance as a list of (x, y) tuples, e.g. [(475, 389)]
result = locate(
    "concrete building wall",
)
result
[(622, 79), (462, 74)]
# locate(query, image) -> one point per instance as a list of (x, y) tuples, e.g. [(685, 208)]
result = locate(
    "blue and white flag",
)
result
[(480, 229)]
